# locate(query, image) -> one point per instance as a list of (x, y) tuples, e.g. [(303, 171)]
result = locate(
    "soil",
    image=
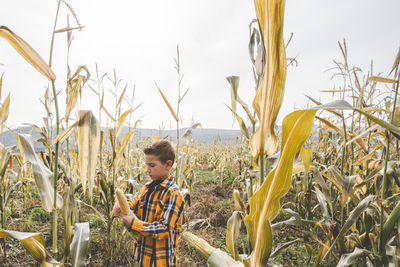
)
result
[(210, 205)]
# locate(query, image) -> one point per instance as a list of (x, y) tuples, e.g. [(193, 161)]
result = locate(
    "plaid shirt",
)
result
[(159, 220)]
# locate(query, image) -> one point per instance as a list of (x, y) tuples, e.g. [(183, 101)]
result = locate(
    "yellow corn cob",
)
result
[(123, 203)]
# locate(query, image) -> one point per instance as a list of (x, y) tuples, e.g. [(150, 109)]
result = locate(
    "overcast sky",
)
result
[(138, 39)]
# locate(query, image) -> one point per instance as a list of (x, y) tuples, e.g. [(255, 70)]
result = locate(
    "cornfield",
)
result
[(322, 189)]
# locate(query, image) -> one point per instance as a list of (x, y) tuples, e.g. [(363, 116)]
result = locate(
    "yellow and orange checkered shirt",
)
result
[(159, 219)]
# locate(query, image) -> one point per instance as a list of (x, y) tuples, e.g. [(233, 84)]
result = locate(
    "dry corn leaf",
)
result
[(121, 97), (269, 97), (381, 79), (242, 125), (27, 52), (330, 110), (73, 90), (1, 84), (358, 187), (372, 109), (396, 117), (4, 111), (355, 213), (396, 61), (345, 184), (353, 257), (359, 141), (232, 233), (33, 243), (298, 168), (369, 156), (108, 113), (88, 145), (234, 84), (80, 244), (306, 156), (168, 104), (246, 109), (264, 204), (41, 173), (124, 144), (336, 91), (330, 125), (121, 121)]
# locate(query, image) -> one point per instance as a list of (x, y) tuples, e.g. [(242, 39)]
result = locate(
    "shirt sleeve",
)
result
[(133, 204), (171, 215)]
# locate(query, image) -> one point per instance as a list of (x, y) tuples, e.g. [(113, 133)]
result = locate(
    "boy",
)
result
[(157, 210)]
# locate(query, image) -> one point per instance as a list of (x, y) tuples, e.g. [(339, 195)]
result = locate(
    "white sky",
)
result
[(139, 39)]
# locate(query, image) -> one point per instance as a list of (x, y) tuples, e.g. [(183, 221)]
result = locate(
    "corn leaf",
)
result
[(242, 125), (246, 109), (355, 213), (264, 204), (323, 203), (67, 210), (124, 144), (353, 257), (330, 125), (232, 233), (1, 84), (108, 113), (80, 244), (33, 243), (168, 105), (369, 156), (74, 89), (319, 103), (234, 84), (390, 223), (188, 132), (88, 145), (121, 121), (344, 184), (125, 141), (359, 141), (306, 156), (336, 91), (381, 79), (269, 97), (43, 176), (396, 61), (283, 246), (27, 52), (121, 97), (4, 111)]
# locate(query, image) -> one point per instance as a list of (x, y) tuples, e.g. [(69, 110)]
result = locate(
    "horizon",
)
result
[(210, 50)]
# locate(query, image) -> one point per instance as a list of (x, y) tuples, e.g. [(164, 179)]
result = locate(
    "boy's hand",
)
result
[(116, 209), (127, 219)]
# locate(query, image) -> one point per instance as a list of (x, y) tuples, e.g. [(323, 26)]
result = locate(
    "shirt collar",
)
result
[(163, 183)]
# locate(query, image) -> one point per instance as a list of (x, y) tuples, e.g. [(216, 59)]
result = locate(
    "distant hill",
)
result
[(199, 135)]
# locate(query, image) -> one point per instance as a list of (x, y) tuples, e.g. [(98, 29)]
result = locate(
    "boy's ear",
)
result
[(169, 163)]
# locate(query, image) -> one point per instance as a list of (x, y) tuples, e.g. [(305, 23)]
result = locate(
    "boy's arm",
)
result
[(172, 213)]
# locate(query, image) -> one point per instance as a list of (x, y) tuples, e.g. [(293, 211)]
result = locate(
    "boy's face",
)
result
[(155, 168)]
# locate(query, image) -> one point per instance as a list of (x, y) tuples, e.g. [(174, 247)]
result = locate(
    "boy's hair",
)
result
[(162, 149)]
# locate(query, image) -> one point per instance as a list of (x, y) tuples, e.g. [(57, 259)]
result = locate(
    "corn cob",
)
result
[(123, 203)]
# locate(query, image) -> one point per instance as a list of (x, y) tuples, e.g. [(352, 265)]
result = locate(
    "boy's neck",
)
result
[(162, 179)]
